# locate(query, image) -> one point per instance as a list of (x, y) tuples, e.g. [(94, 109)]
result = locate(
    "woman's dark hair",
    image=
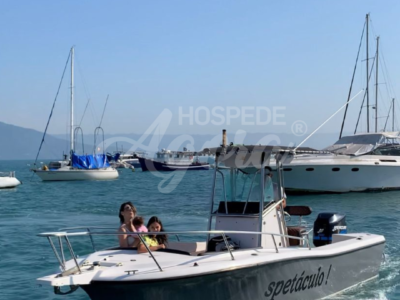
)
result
[(121, 209), (161, 238)]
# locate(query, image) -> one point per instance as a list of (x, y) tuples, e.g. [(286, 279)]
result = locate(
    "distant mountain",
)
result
[(23, 143)]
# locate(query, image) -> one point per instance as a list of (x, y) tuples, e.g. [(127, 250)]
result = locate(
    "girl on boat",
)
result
[(154, 242), (127, 213)]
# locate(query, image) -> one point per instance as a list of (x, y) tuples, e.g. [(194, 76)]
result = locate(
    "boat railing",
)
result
[(89, 232), (7, 174)]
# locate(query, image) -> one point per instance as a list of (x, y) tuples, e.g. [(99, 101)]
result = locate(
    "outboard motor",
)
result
[(327, 224)]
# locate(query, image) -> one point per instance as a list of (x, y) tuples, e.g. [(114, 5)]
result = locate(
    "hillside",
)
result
[(23, 143)]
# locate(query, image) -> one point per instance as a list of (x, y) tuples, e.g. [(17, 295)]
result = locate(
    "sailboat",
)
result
[(361, 162), (78, 167)]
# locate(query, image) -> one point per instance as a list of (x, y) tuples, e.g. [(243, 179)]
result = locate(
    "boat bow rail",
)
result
[(63, 237), (7, 174)]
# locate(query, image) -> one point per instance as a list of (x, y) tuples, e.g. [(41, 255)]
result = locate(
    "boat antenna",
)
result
[(223, 138), (104, 109), (52, 109), (224, 143), (351, 84), (326, 121)]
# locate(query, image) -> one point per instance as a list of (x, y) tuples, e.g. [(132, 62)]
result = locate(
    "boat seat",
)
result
[(296, 231), (298, 210), (236, 207)]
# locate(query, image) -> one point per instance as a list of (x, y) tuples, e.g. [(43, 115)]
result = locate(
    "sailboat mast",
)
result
[(367, 91), (376, 84), (72, 100)]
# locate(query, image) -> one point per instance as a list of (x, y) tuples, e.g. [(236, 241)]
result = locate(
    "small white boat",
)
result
[(119, 161), (246, 254), (8, 180), (130, 158)]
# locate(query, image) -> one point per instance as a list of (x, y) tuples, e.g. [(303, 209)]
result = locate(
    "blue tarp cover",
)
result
[(89, 161)]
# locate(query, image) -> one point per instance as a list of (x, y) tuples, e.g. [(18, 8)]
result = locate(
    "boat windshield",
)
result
[(244, 185)]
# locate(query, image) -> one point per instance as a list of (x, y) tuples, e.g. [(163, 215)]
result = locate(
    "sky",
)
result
[(257, 66)]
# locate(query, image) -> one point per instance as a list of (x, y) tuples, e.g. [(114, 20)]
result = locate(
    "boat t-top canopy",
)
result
[(248, 156)]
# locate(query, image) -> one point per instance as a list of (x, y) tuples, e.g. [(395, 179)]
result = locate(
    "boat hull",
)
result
[(152, 165), (76, 174), (8, 182), (342, 175), (305, 278)]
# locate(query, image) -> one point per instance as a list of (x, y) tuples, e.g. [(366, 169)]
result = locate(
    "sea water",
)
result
[(182, 204)]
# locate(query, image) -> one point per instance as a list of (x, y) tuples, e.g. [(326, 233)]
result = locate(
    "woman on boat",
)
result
[(127, 213), (154, 242)]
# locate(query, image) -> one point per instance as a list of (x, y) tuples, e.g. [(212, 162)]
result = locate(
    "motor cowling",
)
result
[(326, 225)]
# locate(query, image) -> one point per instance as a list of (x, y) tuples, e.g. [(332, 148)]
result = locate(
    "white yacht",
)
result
[(78, 167), (246, 252), (362, 162), (8, 180)]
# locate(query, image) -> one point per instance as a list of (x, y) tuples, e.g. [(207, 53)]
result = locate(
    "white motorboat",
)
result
[(120, 160), (8, 180), (130, 158), (362, 162), (246, 254), (84, 167)]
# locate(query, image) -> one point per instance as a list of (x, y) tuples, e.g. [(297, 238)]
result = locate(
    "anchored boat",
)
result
[(362, 162), (246, 253), (78, 167), (367, 161), (8, 180), (167, 160)]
